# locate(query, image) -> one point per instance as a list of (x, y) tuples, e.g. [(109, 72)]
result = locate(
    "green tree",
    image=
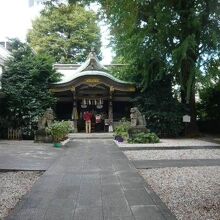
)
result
[(162, 110), (209, 104), (210, 76), (209, 108), (166, 37), (209, 96), (66, 32), (25, 85)]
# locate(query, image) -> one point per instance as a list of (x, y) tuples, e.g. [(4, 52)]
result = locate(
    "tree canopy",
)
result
[(166, 37), (25, 85), (66, 32)]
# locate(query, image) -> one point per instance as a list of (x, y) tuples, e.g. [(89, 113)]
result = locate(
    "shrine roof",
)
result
[(91, 67)]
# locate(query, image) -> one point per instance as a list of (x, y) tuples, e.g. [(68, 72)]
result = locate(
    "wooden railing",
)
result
[(14, 134)]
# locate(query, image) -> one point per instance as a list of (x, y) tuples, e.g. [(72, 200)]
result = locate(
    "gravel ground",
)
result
[(13, 185), (181, 142), (173, 154), (191, 193)]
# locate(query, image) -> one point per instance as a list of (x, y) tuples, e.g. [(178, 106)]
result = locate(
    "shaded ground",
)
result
[(92, 180), (22, 155), (211, 138), (186, 175), (26, 155)]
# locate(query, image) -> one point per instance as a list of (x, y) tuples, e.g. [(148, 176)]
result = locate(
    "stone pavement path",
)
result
[(92, 180), (26, 155), (148, 164)]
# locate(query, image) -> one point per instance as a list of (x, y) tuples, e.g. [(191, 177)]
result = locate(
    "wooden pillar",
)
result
[(74, 111), (110, 110)]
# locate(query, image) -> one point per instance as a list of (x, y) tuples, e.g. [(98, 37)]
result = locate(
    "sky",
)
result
[(16, 17)]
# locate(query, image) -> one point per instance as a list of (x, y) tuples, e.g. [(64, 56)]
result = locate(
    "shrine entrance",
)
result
[(94, 99), (99, 118), (90, 87)]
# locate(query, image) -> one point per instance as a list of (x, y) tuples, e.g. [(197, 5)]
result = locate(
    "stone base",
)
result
[(42, 136)]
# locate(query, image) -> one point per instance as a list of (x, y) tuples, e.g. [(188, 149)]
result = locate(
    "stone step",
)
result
[(91, 136)]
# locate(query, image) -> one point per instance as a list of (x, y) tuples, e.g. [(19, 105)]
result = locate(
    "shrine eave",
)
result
[(92, 78), (91, 73)]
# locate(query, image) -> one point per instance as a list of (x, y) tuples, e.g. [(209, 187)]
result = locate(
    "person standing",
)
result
[(98, 120), (87, 116)]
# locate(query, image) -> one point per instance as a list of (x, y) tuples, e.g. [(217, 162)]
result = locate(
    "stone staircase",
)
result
[(91, 136)]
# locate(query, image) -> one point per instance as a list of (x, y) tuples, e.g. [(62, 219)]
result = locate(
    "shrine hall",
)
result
[(90, 87)]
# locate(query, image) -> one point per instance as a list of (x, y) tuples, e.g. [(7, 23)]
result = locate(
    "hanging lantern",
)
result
[(84, 105), (100, 101), (99, 106)]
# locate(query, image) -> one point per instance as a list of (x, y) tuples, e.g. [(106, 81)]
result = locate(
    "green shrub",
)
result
[(143, 138), (122, 129), (59, 130)]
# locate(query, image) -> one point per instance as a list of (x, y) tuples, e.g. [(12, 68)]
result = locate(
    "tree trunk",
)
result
[(188, 65), (191, 129)]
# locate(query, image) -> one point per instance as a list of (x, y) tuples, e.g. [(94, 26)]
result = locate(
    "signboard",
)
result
[(110, 128), (92, 81), (186, 118)]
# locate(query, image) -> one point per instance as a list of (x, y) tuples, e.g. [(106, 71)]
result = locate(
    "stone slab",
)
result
[(138, 197), (27, 155), (169, 148), (147, 164), (142, 212), (77, 186)]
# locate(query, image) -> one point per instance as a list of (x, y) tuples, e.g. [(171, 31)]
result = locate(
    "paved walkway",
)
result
[(26, 155), (92, 180), (168, 148), (147, 164)]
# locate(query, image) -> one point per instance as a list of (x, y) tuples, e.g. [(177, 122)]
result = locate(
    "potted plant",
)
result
[(59, 131)]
